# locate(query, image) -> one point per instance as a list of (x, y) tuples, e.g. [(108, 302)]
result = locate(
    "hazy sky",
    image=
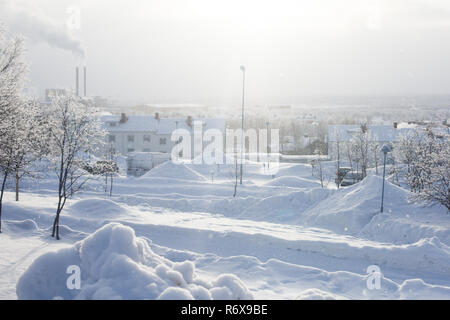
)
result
[(190, 50)]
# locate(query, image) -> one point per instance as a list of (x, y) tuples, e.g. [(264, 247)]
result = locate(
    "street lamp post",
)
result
[(385, 151), (268, 159), (242, 133)]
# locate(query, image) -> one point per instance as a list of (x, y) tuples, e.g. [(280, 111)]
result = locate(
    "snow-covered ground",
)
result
[(178, 233)]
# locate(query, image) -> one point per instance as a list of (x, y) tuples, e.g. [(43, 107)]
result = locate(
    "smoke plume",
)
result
[(31, 22)]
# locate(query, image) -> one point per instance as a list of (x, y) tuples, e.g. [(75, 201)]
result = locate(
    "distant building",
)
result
[(144, 133), (51, 93), (279, 109), (380, 134), (139, 163), (176, 108)]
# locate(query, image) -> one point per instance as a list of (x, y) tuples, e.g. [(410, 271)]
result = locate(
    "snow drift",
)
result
[(174, 171), (96, 208), (356, 210), (292, 182), (115, 264)]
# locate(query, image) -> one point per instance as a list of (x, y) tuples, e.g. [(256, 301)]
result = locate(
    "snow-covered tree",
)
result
[(360, 142), (317, 163), (430, 173), (406, 149), (75, 133), (425, 160), (337, 135), (12, 77), (32, 142), (375, 149), (349, 153), (104, 168)]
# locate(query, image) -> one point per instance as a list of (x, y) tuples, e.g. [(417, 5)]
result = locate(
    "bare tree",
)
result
[(318, 164), (361, 145), (75, 133), (338, 155), (375, 148), (349, 153)]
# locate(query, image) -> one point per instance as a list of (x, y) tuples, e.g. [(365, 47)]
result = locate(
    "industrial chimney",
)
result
[(123, 118), (189, 121), (77, 87)]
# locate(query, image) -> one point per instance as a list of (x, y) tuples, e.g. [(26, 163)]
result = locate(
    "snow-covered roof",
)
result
[(147, 123), (376, 132), (176, 106)]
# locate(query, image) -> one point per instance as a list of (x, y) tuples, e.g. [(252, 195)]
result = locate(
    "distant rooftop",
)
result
[(147, 123), (376, 132)]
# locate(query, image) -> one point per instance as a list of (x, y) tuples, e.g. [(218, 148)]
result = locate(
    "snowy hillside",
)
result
[(177, 234)]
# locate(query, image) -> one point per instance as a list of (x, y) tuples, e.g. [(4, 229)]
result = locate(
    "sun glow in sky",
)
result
[(190, 50)]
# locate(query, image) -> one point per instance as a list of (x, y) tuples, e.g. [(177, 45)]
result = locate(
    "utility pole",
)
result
[(268, 159), (242, 133), (385, 150)]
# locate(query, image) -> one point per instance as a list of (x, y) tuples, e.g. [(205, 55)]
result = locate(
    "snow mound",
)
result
[(355, 210), (296, 170), (317, 294), (292, 182), (96, 208), (68, 233), (174, 171), (350, 209), (25, 225), (115, 264), (285, 208)]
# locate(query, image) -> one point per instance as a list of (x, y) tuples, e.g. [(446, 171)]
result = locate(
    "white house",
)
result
[(145, 133), (379, 134)]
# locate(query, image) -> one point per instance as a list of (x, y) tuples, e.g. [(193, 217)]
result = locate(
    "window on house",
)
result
[(147, 138), (146, 150), (130, 150), (130, 138), (111, 138), (162, 141), (112, 124)]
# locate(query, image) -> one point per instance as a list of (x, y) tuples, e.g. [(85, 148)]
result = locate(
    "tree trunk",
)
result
[(55, 231), (236, 182), (338, 163), (71, 184), (17, 185), (1, 198), (111, 186)]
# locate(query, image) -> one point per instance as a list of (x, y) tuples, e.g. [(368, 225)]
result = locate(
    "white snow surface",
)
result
[(177, 234), (115, 264)]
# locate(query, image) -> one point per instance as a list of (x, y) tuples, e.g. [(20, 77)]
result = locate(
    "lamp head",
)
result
[(386, 149)]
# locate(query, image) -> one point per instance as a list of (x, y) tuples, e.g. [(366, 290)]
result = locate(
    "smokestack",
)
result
[(123, 118), (77, 88), (84, 76), (189, 121)]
